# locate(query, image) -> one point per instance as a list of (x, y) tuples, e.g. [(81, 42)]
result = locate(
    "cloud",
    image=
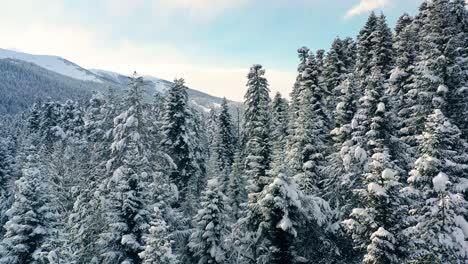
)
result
[(50, 32), (88, 49), (163, 9), (365, 6)]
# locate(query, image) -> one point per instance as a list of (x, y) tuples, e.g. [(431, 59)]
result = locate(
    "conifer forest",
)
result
[(365, 161)]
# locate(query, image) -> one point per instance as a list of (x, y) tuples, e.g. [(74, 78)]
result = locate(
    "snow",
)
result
[(131, 121), (376, 189), (52, 63), (381, 107), (340, 106), (360, 154), (388, 174), (205, 109), (442, 89), (354, 124), (440, 182)]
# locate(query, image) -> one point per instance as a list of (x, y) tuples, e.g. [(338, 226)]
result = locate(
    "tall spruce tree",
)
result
[(226, 138), (438, 234), (257, 163), (280, 122), (177, 130), (207, 242), (126, 201), (308, 135), (30, 228)]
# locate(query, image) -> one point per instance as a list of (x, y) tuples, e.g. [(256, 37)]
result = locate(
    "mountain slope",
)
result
[(26, 78), (53, 63), (23, 83)]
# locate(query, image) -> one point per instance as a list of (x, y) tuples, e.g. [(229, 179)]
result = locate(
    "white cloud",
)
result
[(89, 50), (50, 32), (162, 9), (365, 6)]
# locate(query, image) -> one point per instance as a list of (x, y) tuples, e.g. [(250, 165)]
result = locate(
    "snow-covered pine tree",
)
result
[(307, 138), (349, 53), (456, 52), (338, 176), (126, 201), (236, 192), (86, 221), (257, 127), (207, 242), (30, 228), (377, 227), (280, 122), (158, 248), (178, 136), (437, 72), (439, 231), (303, 54), (320, 60), (226, 142), (7, 178), (282, 209), (211, 128), (258, 160), (402, 90), (334, 72)]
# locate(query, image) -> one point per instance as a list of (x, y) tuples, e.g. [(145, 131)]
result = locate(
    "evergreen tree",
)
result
[(377, 228), (257, 126), (226, 138), (438, 203), (257, 163), (158, 249), (236, 191), (207, 241), (307, 140), (126, 201), (281, 206), (402, 89), (178, 138), (30, 227), (280, 121), (86, 221), (7, 178)]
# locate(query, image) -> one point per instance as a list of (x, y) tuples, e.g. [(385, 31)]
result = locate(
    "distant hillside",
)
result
[(23, 83), (26, 78)]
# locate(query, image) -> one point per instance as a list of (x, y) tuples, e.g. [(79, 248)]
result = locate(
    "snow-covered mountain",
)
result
[(62, 71), (53, 63)]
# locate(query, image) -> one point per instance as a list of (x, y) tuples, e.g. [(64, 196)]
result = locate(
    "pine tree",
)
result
[(377, 228), (226, 138), (210, 230), (236, 191), (127, 198), (335, 71), (281, 206), (257, 126), (280, 121), (158, 249), (86, 221), (307, 140), (456, 52), (7, 178), (339, 177), (178, 139), (31, 218), (438, 203), (402, 89), (257, 163)]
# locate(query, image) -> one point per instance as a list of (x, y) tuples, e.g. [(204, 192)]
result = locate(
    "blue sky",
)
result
[(209, 42)]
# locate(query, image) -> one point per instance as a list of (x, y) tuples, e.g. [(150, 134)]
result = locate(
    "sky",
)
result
[(210, 43)]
